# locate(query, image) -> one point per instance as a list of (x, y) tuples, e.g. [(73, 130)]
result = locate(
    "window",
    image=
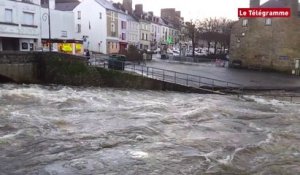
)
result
[(24, 46), (112, 16), (113, 28), (245, 23), (123, 24), (146, 37), (31, 46), (268, 21), (64, 34), (100, 15), (78, 28), (143, 36), (123, 36), (79, 15), (8, 15), (28, 18)]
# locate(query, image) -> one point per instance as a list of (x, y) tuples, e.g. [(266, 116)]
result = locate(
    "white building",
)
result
[(123, 27), (90, 23), (144, 34), (62, 31), (133, 31), (155, 33), (20, 25)]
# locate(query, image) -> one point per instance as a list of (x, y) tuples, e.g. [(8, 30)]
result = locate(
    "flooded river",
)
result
[(52, 130)]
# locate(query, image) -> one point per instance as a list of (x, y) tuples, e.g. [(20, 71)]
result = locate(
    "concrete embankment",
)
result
[(63, 69)]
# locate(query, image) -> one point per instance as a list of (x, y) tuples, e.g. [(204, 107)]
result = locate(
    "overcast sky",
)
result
[(196, 9)]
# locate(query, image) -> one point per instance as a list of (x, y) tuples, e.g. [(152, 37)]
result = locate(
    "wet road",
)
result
[(53, 130), (247, 78)]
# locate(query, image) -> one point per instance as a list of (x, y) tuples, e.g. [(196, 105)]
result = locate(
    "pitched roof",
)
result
[(108, 5), (66, 6)]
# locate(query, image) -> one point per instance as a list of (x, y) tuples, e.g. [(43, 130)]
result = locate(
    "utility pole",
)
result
[(49, 24)]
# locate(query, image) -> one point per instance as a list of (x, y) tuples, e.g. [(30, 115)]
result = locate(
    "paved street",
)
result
[(248, 78)]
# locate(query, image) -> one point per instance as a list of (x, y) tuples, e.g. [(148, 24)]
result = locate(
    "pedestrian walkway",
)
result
[(250, 79)]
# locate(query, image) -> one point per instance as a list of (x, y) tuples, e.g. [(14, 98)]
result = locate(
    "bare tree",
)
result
[(192, 33), (215, 30)]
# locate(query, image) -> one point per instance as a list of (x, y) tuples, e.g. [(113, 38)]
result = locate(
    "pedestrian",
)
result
[(87, 55)]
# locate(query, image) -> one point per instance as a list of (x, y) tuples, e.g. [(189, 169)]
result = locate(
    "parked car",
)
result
[(169, 51), (117, 62), (201, 53), (176, 53)]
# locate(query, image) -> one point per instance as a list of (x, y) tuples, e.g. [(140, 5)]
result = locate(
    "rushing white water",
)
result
[(62, 130)]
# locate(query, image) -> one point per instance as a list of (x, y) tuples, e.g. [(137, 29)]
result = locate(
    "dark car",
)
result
[(117, 62)]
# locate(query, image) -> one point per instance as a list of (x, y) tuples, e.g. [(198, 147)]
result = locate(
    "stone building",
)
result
[(267, 43)]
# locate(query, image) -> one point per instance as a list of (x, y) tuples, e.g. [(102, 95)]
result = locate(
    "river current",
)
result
[(57, 130)]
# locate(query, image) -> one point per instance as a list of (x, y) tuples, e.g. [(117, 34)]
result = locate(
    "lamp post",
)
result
[(49, 24)]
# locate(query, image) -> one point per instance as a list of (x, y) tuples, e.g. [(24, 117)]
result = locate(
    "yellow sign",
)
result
[(78, 47), (66, 47)]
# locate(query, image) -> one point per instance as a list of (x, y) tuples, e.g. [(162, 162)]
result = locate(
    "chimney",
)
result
[(254, 3), (138, 9), (127, 4)]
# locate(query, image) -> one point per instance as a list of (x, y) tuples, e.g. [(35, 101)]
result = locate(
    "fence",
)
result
[(184, 79)]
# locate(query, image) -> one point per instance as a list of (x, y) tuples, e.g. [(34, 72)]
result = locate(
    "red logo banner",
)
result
[(264, 12)]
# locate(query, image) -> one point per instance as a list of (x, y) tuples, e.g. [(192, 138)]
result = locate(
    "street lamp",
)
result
[(49, 24)]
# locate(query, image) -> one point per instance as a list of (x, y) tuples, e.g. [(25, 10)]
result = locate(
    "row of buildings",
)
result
[(98, 25)]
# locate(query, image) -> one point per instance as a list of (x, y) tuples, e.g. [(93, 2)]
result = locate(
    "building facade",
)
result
[(62, 31), (267, 43), (133, 31), (112, 27), (144, 34), (123, 28), (20, 25)]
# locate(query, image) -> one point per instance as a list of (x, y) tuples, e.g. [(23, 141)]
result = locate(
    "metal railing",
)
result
[(184, 79)]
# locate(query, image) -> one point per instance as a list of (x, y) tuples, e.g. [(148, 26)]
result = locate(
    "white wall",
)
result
[(60, 21), (122, 17), (19, 31), (133, 32), (97, 34)]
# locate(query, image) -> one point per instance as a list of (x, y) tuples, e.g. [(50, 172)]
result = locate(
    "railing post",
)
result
[(175, 78), (187, 80), (147, 71), (152, 71), (142, 70), (163, 75)]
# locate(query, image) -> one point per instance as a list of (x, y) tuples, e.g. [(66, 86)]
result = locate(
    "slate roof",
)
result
[(108, 5), (66, 6)]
